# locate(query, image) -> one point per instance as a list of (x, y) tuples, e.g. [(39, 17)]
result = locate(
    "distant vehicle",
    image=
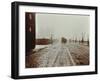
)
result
[(63, 40)]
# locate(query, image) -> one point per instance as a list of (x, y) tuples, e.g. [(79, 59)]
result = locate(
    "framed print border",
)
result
[(15, 70)]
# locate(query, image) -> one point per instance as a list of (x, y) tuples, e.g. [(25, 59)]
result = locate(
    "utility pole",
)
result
[(51, 39)]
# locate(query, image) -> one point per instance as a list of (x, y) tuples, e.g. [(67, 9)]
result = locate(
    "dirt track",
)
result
[(57, 55)]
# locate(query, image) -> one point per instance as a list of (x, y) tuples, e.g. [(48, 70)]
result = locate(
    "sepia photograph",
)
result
[(56, 40), (52, 40)]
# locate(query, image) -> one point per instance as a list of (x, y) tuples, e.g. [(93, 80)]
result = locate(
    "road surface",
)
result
[(57, 55)]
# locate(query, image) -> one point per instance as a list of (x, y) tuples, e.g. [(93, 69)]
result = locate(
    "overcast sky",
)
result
[(60, 25)]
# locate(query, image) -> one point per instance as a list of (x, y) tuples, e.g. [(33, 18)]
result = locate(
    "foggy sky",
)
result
[(60, 25)]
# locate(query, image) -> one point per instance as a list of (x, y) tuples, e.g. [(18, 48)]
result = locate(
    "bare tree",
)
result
[(83, 36), (88, 41)]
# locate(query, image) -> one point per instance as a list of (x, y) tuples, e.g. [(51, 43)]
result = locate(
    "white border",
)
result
[(50, 70)]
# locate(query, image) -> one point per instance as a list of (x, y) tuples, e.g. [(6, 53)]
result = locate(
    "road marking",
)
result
[(73, 63)]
